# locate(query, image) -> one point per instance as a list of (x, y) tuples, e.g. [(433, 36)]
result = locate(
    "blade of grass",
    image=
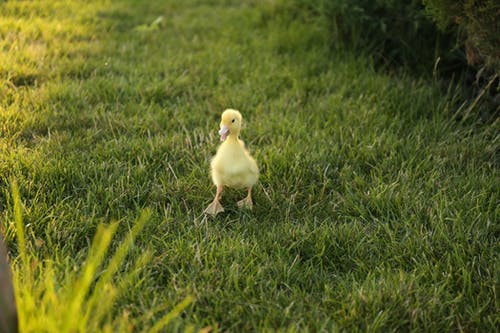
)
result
[(18, 218), (116, 261), (99, 248), (100, 309), (165, 320)]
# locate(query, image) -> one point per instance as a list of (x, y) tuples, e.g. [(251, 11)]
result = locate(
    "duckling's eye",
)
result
[(233, 120)]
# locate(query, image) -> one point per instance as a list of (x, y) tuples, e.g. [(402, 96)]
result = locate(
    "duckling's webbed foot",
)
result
[(247, 202), (214, 208)]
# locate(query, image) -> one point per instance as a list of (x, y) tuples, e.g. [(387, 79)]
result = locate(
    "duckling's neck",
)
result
[(233, 137)]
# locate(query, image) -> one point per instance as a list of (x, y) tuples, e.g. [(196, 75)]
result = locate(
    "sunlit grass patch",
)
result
[(79, 300)]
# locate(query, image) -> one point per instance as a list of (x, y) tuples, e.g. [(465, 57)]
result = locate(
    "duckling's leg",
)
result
[(247, 202), (215, 207)]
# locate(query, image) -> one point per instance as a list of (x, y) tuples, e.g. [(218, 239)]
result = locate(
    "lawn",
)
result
[(377, 208)]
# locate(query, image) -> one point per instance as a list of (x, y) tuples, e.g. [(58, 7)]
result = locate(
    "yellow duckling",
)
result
[(232, 165)]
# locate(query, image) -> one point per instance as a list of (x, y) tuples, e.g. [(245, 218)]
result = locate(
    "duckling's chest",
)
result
[(231, 158), (233, 164)]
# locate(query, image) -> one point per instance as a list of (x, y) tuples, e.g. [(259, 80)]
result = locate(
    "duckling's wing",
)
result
[(253, 167)]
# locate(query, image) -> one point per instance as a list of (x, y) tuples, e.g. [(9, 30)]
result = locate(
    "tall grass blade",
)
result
[(18, 218), (99, 248), (176, 311), (95, 306)]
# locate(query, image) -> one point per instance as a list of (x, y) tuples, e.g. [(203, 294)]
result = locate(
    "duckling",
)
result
[(232, 165)]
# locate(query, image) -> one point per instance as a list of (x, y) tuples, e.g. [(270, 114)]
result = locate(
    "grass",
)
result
[(377, 207)]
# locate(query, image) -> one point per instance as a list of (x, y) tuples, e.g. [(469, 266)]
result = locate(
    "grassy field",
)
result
[(378, 203)]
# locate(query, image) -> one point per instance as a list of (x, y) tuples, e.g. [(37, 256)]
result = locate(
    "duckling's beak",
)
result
[(224, 132)]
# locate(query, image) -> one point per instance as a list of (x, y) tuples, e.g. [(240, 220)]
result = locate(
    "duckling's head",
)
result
[(230, 124)]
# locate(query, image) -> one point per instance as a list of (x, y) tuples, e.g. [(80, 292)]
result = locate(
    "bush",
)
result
[(394, 32), (416, 33), (445, 38), (477, 24)]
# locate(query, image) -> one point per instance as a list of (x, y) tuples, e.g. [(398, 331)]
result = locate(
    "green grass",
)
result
[(377, 208)]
